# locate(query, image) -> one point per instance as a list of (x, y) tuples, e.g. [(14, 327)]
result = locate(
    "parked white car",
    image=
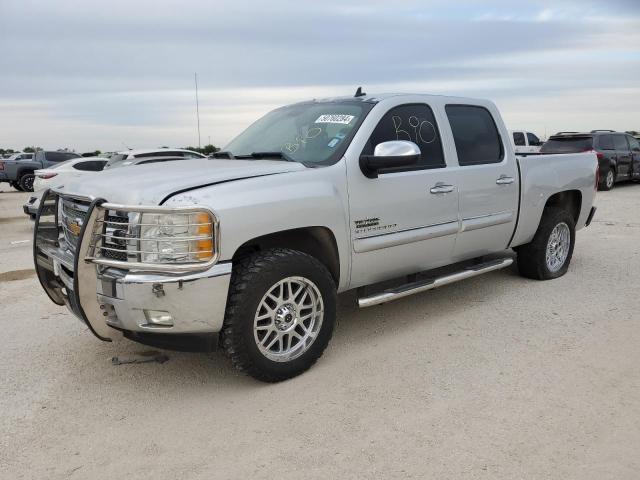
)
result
[(525, 142), (126, 157), (59, 174)]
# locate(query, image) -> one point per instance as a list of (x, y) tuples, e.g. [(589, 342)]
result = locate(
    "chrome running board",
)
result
[(430, 284)]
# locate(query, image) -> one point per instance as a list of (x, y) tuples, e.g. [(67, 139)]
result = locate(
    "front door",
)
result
[(406, 220), (488, 183)]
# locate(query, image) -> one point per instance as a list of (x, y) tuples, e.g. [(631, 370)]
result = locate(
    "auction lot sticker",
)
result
[(344, 119)]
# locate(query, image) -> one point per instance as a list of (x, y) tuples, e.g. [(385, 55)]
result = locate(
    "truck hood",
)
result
[(152, 183)]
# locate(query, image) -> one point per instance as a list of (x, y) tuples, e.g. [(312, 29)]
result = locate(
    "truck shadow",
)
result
[(356, 328)]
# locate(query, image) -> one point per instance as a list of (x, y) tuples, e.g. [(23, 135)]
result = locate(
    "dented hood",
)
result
[(152, 183)]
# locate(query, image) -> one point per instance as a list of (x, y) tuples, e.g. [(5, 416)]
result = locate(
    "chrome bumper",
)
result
[(196, 301), (107, 298)]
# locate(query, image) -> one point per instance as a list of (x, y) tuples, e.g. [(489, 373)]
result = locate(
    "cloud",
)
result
[(93, 74)]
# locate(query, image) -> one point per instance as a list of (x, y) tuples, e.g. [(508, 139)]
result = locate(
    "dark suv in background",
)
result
[(618, 153)]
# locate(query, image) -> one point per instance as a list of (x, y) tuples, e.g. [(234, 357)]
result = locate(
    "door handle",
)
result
[(504, 180), (441, 188)]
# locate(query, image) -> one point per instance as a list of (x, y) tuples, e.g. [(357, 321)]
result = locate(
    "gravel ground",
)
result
[(497, 377)]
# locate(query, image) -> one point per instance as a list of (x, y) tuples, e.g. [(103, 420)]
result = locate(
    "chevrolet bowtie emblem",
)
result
[(74, 227)]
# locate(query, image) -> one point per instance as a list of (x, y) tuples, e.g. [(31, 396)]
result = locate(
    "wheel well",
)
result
[(23, 172), (570, 200), (319, 242)]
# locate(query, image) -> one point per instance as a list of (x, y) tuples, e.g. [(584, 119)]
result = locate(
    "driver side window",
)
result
[(415, 123)]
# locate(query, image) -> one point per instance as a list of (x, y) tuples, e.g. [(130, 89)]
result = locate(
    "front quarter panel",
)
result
[(251, 208)]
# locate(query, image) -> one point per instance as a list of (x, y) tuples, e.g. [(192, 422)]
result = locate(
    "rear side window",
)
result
[(518, 139), (567, 145), (476, 135), (605, 142), (635, 145), (620, 142), (90, 166), (40, 156), (415, 123)]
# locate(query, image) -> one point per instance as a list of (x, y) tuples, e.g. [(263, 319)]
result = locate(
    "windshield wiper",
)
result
[(270, 155)]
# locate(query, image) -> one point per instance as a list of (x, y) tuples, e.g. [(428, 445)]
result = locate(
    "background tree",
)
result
[(205, 150)]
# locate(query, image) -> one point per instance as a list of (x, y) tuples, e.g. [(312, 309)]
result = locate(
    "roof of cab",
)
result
[(378, 97)]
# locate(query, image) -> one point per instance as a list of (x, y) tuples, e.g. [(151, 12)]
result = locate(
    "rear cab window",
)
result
[(415, 123), (475, 135), (60, 156)]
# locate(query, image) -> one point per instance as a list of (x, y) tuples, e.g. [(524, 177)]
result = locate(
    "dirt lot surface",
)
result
[(497, 377)]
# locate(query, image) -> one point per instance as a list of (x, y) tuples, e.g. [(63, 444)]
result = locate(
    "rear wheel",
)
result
[(280, 314), (608, 180), (549, 253), (26, 182)]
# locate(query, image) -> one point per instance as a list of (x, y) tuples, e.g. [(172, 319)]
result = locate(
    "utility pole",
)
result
[(197, 108)]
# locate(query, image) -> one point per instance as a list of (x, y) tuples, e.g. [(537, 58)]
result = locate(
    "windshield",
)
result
[(567, 145), (310, 133)]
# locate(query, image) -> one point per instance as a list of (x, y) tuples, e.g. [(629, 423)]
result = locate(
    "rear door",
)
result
[(623, 155), (487, 180)]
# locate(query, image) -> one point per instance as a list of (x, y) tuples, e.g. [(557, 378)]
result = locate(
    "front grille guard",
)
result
[(63, 277), (71, 282)]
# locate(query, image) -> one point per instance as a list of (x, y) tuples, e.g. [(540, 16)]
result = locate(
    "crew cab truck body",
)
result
[(248, 250)]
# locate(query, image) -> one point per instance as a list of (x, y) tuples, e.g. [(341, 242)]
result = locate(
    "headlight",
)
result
[(177, 237)]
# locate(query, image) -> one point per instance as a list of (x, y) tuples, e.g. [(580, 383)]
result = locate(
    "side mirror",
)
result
[(389, 155)]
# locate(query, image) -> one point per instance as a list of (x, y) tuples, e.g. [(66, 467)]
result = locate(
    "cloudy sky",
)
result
[(89, 74)]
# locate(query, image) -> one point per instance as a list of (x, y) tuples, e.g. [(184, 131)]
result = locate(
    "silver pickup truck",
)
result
[(388, 194)]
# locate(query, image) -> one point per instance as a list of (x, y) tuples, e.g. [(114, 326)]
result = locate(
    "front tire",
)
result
[(549, 253), (280, 314), (16, 185)]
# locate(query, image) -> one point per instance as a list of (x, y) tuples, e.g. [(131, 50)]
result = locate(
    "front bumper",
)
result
[(31, 207), (109, 299), (196, 302)]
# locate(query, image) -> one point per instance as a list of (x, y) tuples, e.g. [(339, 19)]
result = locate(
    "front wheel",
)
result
[(549, 253), (280, 314), (16, 185)]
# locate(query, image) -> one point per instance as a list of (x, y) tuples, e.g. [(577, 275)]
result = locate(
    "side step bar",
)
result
[(423, 286)]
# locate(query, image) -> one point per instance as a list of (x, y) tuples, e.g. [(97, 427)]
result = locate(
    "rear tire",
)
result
[(608, 180), (549, 254), (280, 314), (26, 182)]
